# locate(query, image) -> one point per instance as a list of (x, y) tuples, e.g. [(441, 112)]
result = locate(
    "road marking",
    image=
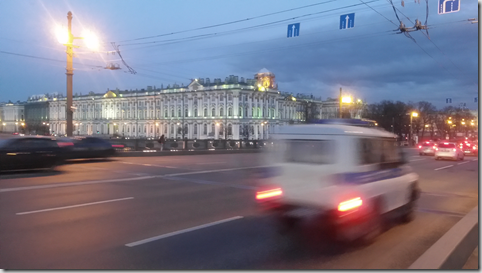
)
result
[(412, 160), (219, 162), (474, 159), (463, 162), (74, 184), (456, 214), (207, 182), (75, 206), (182, 231), (444, 167), (214, 171), (150, 165)]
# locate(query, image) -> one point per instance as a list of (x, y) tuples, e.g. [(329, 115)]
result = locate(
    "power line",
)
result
[(41, 58), (228, 23), (252, 27), (379, 13)]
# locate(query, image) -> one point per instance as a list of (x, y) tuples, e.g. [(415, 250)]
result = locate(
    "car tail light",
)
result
[(350, 204), (117, 146), (455, 150), (474, 147), (65, 144), (435, 147), (419, 146), (269, 193)]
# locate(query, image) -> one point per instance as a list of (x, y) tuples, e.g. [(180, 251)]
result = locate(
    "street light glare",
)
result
[(414, 114), (62, 34), (346, 99), (90, 39)]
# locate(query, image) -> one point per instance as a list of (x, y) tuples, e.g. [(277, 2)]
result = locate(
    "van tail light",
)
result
[(350, 204), (435, 147), (260, 195), (65, 144), (474, 148), (419, 146), (455, 150)]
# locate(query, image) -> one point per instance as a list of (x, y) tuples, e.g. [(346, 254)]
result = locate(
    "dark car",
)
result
[(86, 147), (29, 153)]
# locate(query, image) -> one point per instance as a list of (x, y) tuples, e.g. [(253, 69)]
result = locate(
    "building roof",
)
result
[(264, 70)]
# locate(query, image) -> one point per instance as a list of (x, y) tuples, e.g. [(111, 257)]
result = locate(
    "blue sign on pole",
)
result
[(347, 21), (476, 99), (448, 100), (293, 30), (448, 6)]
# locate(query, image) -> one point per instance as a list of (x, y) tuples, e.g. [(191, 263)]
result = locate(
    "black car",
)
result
[(86, 147), (29, 153)]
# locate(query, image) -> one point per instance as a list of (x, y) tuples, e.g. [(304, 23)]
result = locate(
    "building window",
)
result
[(213, 112), (172, 113), (252, 111), (186, 112), (221, 111), (230, 111), (165, 113), (165, 129), (230, 130), (195, 129), (172, 129), (240, 112), (205, 112), (195, 112), (205, 129), (179, 113), (259, 112), (213, 128)]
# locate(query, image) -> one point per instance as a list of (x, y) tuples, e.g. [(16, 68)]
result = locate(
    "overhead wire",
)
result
[(228, 23)]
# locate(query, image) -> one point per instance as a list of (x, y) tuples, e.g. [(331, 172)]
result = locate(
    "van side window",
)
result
[(378, 151), (310, 151)]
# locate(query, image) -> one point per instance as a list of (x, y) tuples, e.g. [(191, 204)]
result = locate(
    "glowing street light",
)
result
[(346, 99), (65, 37)]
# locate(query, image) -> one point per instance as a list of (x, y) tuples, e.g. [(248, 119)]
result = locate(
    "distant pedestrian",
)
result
[(162, 140)]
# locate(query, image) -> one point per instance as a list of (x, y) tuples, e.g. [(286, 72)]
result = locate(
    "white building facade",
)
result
[(12, 117), (233, 109)]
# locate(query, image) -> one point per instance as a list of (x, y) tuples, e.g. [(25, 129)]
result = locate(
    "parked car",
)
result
[(448, 150), (86, 147), (29, 153), (469, 148)]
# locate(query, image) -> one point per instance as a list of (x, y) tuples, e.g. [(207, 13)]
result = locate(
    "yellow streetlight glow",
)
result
[(449, 122), (463, 122), (62, 35), (426, 125), (90, 39), (414, 114), (346, 100)]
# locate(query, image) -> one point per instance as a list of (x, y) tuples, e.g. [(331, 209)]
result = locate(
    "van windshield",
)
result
[(310, 151)]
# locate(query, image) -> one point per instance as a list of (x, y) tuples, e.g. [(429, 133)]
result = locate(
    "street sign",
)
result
[(448, 6), (293, 30), (449, 100), (476, 99), (347, 21)]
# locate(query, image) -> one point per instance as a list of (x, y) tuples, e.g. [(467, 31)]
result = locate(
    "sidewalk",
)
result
[(473, 261)]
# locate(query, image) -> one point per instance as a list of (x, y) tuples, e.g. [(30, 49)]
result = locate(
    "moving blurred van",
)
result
[(348, 178)]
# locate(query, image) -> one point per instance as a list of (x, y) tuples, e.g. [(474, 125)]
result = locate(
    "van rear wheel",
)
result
[(375, 226)]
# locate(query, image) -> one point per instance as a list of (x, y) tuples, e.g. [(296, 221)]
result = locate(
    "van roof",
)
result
[(331, 129)]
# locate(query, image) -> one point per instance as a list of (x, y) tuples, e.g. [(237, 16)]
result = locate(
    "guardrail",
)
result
[(454, 248)]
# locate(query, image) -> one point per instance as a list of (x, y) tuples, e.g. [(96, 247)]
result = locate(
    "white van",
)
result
[(348, 177)]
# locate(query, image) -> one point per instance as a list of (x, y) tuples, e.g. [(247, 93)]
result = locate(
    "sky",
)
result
[(167, 42)]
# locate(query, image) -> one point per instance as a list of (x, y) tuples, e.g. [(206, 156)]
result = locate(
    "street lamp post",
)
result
[(412, 115), (67, 39)]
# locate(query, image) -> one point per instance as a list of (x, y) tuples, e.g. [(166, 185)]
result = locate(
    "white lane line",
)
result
[(475, 160), (75, 206), (181, 231), (214, 171), (207, 163), (463, 162), (75, 184), (412, 160), (444, 167), (151, 165)]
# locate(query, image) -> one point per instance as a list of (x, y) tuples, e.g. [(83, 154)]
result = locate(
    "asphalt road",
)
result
[(198, 212)]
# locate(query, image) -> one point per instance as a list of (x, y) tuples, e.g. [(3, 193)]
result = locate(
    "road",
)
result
[(113, 215)]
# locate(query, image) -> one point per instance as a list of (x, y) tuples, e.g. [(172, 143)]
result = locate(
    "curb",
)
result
[(169, 153), (454, 248)]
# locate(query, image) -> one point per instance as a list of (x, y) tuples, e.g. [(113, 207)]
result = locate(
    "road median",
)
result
[(454, 248)]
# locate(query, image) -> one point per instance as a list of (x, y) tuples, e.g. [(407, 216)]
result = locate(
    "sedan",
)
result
[(86, 147), (427, 148), (29, 153), (448, 150)]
